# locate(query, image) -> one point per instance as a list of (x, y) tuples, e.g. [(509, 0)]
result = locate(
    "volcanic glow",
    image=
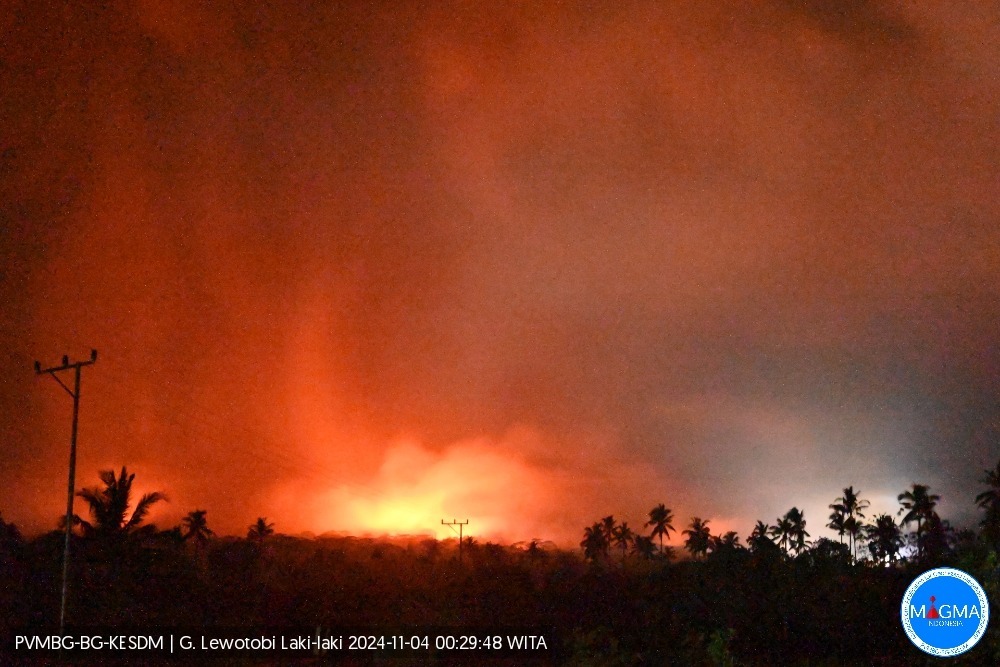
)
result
[(367, 266), (415, 489)]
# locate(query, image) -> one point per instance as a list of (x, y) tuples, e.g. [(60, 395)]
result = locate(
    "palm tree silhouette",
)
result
[(937, 538), (699, 537), (989, 500), (661, 518), (761, 544), (782, 530), (798, 529), (260, 530), (725, 545), (594, 542), (608, 524), (731, 540), (852, 507), (196, 527), (760, 531), (623, 536), (854, 528), (534, 549), (837, 521), (644, 547), (884, 539), (919, 506), (791, 531), (109, 507)]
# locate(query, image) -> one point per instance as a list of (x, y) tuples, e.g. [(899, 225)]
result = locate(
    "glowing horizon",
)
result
[(366, 266)]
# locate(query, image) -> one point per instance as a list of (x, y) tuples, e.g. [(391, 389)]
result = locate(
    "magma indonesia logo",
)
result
[(945, 612)]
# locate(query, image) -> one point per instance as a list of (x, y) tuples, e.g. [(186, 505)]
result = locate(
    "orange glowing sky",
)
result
[(365, 267)]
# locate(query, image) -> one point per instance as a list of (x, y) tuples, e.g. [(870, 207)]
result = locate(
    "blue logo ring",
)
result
[(958, 615)]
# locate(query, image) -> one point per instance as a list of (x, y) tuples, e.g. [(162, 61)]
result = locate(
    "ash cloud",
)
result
[(739, 256)]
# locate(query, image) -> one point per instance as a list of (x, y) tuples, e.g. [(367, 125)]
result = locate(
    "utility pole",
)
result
[(452, 524), (75, 393)]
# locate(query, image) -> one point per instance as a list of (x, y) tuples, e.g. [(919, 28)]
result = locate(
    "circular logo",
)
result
[(945, 612)]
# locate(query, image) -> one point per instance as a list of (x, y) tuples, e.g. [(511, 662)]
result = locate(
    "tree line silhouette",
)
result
[(111, 522), (878, 542), (626, 597)]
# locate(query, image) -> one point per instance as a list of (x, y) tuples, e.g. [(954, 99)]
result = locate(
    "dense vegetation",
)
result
[(624, 598)]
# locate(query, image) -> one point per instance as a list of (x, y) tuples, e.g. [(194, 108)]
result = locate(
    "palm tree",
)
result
[(699, 537), (534, 549), (938, 537), (196, 527), (759, 532), (594, 542), (989, 500), (644, 547), (109, 507), (782, 530), (661, 519), (623, 536), (837, 520), (798, 533), (854, 528), (852, 508), (608, 527), (884, 539), (853, 503), (260, 530), (729, 541), (723, 545), (919, 506)]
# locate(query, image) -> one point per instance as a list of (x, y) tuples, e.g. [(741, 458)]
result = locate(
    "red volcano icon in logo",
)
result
[(933, 613)]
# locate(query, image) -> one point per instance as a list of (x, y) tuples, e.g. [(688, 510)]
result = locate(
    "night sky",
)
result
[(364, 267)]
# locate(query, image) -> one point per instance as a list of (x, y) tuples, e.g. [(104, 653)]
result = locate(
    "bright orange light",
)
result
[(508, 488), (401, 514), (415, 488)]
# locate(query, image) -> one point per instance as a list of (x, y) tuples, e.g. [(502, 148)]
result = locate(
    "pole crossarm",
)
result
[(451, 524), (65, 366)]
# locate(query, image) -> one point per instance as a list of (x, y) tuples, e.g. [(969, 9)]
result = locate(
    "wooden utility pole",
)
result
[(454, 523), (75, 393)]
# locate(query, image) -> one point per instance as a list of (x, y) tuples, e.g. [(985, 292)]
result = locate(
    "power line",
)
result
[(77, 366)]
